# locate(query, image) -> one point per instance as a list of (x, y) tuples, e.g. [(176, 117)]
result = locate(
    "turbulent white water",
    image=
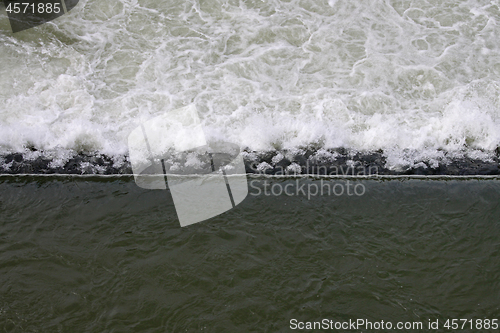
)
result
[(417, 78)]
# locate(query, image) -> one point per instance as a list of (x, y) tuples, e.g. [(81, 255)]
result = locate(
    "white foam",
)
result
[(418, 81)]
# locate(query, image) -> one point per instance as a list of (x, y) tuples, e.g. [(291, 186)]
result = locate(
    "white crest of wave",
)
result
[(417, 79)]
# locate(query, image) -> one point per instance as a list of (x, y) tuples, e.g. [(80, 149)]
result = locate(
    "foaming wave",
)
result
[(415, 80)]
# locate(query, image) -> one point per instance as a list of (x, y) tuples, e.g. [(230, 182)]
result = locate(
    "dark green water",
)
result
[(102, 255)]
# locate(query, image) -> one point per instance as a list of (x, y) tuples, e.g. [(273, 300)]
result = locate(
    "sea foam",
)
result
[(418, 80)]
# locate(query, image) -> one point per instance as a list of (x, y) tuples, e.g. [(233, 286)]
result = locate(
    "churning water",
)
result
[(417, 79)]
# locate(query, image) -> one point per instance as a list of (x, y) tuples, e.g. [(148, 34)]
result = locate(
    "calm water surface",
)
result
[(102, 255)]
